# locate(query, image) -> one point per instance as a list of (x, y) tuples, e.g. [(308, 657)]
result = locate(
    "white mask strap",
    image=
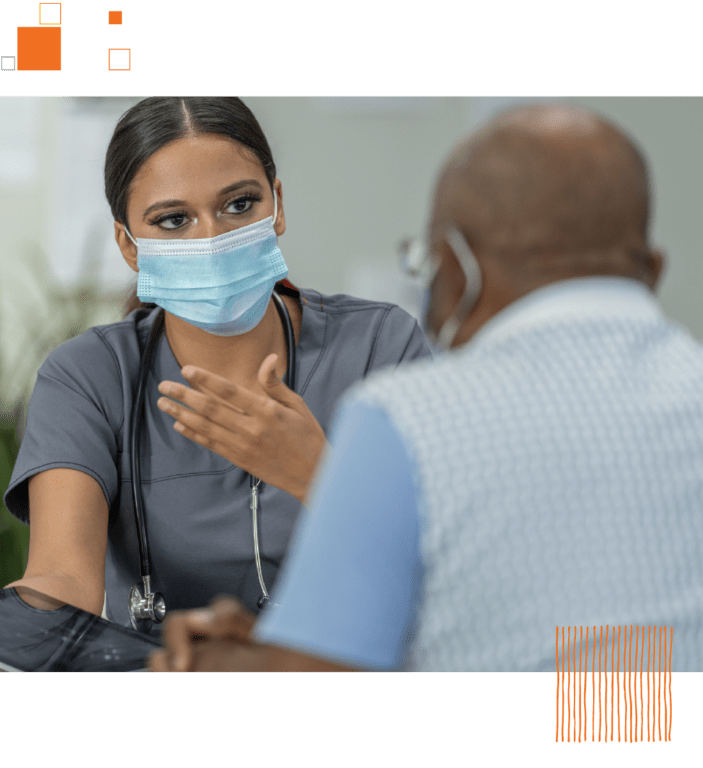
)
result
[(130, 237)]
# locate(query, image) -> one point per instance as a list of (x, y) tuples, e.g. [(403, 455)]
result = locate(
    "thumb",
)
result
[(267, 372), (230, 619)]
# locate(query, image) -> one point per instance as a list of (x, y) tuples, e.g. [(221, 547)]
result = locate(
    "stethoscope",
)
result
[(151, 607)]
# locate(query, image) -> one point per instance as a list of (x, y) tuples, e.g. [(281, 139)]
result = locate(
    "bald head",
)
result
[(549, 185)]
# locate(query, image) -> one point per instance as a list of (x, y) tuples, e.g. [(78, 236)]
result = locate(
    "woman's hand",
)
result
[(274, 437), (200, 640)]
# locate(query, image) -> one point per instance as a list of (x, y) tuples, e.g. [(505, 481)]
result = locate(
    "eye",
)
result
[(170, 217), (242, 204)]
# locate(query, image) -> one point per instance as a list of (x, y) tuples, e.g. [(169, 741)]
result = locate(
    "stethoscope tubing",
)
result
[(136, 420)]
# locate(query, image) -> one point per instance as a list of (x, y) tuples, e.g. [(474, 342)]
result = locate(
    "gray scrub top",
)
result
[(196, 503)]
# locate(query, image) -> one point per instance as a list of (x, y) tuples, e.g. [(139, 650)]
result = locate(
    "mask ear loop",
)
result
[(474, 282), (131, 238)]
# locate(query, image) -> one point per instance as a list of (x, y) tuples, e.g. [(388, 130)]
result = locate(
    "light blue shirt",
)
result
[(549, 473)]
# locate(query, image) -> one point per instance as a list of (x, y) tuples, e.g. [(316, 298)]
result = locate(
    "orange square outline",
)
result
[(50, 23), (116, 15), (129, 69)]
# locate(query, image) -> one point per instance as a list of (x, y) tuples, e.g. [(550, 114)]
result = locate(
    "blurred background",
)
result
[(357, 176)]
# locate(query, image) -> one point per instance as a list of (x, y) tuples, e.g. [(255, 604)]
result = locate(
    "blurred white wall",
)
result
[(357, 177), (670, 131)]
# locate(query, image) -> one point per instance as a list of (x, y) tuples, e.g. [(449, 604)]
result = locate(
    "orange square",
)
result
[(38, 48), (115, 17), (110, 68), (49, 23)]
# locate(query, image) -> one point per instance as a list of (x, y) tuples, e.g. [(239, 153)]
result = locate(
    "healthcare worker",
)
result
[(546, 472), (198, 208)]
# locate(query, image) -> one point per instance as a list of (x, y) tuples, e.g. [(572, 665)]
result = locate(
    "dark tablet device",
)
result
[(67, 639)]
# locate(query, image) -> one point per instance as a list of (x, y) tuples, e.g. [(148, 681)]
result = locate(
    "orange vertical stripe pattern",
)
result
[(633, 711)]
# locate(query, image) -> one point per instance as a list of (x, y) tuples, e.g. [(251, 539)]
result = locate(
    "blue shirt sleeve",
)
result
[(350, 583)]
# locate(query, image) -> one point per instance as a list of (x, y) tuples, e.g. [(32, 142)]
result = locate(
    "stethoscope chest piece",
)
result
[(147, 609)]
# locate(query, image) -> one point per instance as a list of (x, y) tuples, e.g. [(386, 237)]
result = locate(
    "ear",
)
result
[(279, 226), (656, 261), (126, 246)]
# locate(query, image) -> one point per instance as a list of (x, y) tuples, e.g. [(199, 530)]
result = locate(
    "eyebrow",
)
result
[(176, 203)]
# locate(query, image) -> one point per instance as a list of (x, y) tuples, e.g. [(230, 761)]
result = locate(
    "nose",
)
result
[(211, 226)]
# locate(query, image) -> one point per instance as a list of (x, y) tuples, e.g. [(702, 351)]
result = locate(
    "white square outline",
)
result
[(3, 59), (119, 69), (53, 10)]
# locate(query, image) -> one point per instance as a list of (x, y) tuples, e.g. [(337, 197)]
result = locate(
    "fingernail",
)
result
[(188, 371), (203, 616)]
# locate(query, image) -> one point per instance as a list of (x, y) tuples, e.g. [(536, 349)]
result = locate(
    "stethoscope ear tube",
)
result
[(254, 482)]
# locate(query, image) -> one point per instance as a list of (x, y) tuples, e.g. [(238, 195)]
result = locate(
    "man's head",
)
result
[(541, 194)]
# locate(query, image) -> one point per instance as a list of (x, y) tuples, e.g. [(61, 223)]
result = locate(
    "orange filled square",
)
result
[(38, 48), (115, 17)]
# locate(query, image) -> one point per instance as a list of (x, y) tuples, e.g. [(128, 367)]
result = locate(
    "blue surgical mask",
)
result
[(441, 341), (221, 284)]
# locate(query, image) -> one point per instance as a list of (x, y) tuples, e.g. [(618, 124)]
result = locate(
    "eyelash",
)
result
[(249, 197)]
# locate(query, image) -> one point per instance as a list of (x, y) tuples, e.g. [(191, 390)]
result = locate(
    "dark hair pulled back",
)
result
[(157, 121)]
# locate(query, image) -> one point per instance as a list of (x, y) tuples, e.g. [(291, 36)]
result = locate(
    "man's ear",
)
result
[(656, 261)]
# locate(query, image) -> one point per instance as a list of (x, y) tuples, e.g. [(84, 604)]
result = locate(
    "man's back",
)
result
[(560, 462)]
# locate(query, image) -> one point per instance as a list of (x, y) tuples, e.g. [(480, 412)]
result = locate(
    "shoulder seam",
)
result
[(375, 341)]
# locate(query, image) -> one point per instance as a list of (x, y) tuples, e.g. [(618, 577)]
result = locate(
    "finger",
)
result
[(204, 402), (185, 631), (194, 399), (192, 418), (224, 619), (220, 440), (182, 629), (226, 604), (157, 661), (212, 424), (230, 619), (273, 383), (234, 395)]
